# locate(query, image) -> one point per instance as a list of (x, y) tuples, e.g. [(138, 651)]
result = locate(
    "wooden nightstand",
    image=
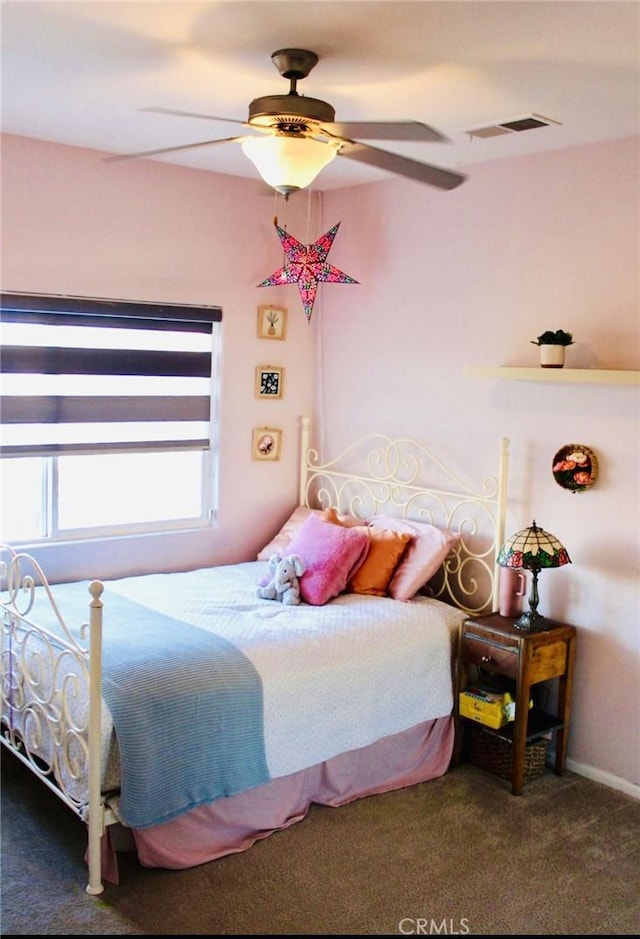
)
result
[(491, 647)]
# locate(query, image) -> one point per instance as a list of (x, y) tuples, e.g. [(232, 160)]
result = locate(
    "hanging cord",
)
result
[(309, 195), (319, 345), (275, 219)]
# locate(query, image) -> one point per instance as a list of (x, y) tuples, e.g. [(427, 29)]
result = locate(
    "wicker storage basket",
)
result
[(491, 753)]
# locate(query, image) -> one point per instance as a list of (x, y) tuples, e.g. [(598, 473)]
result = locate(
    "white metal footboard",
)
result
[(51, 695)]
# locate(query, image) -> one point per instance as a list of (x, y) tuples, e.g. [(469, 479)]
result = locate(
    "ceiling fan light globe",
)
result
[(288, 164)]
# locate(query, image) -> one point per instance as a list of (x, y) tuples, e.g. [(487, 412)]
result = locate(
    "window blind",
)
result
[(81, 375)]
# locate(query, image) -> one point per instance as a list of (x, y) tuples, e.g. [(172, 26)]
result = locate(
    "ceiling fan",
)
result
[(295, 136)]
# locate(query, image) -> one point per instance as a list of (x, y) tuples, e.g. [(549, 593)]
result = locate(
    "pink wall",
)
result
[(73, 224), (468, 277), (451, 279)]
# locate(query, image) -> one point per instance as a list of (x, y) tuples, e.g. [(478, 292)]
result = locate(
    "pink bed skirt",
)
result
[(231, 825)]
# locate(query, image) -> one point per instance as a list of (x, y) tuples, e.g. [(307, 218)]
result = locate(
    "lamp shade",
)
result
[(288, 163), (532, 549)]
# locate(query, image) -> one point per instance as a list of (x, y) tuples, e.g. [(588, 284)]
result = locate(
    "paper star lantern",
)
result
[(307, 266)]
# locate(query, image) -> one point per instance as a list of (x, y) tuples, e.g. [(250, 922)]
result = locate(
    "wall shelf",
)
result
[(593, 376)]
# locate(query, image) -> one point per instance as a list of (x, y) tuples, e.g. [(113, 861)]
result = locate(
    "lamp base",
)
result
[(530, 622)]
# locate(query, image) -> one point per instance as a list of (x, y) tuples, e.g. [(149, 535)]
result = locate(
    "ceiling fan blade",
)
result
[(118, 158), (207, 117), (403, 166), (385, 130)]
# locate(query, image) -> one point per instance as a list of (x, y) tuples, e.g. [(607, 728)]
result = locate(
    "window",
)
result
[(106, 417)]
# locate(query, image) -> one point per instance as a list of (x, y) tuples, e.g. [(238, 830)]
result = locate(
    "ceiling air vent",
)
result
[(518, 124)]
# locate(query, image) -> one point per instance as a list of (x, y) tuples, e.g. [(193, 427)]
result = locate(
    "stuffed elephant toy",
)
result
[(283, 585)]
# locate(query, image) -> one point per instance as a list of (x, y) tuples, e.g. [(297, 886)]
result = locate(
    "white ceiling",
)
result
[(79, 72)]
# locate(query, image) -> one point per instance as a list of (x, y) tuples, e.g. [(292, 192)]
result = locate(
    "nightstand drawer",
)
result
[(547, 661), (491, 657)]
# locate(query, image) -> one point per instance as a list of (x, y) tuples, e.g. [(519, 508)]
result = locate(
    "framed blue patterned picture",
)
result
[(269, 381)]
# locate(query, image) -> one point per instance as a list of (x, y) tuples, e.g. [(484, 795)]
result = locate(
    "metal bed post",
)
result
[(95, 821), (305, 425), (501, 513)]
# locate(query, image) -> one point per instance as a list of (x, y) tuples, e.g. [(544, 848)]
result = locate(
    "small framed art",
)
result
[(266, 443), (269, 381), (272, 322), (575, 467)]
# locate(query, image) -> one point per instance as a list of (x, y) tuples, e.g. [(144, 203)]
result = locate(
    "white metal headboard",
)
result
[(378, 475)]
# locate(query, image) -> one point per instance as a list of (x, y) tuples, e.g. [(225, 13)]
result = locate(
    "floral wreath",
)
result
[(575, 467)]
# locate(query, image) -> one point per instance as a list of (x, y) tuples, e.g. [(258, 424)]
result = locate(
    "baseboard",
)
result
[(607, 779)]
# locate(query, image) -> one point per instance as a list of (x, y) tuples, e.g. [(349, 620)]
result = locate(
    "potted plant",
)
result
[(552, 347)]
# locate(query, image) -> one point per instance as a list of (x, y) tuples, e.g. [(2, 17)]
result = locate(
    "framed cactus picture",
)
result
[(272, 322)]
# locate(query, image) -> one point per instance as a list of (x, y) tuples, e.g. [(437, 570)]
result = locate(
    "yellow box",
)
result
[(487, 707)]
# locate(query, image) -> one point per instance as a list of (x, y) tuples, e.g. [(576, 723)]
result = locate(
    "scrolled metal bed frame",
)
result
[(36, 711), (58, 741), (392, 483)]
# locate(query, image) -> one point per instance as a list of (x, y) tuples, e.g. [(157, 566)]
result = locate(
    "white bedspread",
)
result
[(335, 678)]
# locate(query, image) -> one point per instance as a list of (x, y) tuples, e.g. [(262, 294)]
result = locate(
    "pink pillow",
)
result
[(280, 542), (330, 555), (428, 548)]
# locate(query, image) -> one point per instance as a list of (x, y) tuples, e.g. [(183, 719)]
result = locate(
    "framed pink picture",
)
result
[(266, 443)]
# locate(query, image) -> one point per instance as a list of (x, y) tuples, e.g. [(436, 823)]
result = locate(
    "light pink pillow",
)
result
[(428, 548), (330, 555), (279, 543)]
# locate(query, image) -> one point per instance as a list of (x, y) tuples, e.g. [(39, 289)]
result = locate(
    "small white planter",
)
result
[(552, 356)]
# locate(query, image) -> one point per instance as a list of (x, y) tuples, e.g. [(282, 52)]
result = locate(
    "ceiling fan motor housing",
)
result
[(291, 112), (273, 110)]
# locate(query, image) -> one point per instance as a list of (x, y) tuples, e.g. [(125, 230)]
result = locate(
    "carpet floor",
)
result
[(455, 856)]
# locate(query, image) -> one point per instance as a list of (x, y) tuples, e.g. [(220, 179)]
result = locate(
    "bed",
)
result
[(189, 714)]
